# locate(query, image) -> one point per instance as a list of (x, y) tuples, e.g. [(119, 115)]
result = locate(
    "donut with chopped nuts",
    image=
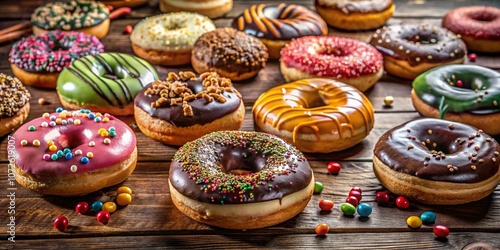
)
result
[(230, 53), (14, 103), (437, 162), (342, 59), (88, 17), (185, 107), (461, 93), (168, 39), (411, 49)]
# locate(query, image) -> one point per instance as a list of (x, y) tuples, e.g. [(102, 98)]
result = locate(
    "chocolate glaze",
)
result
[(275, 168), (356, 6), (418, 43), (402, 150), (203, 111)]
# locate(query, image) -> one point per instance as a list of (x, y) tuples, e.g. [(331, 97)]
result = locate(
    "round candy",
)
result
[(333, 167), (428, 217), (441, 231), (123, 199), (414, 221), (382, 197), (124, 189), (402, 202), (347, 209), (61, 223), (322, 229), (82, 207), (358, 189), (96, 206), (318, 187), (364, 209), (325, 205), (109, 207), (352, 200), (103, 217), (356, 194)]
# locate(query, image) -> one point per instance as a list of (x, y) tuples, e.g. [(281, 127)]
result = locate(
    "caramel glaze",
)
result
[(315, 106), (282, 22), (234, 167), (418, 43), (439, 150)]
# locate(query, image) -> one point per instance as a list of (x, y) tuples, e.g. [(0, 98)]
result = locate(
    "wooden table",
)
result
[(151, 220)]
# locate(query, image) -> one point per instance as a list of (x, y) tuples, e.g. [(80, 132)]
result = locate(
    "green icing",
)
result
[(69, 15), (106, 79), (479, 92)]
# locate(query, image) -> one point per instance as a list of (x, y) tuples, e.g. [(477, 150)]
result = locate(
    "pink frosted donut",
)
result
[(342, 59), (72, 153), (37, 60)]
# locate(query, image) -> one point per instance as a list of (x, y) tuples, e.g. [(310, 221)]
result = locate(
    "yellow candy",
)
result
[(124, 189), (58, 121), (36, 143), (123, 199), (62, 115), (24, 142), (77, 122), (98, 114), (50, 143), (53, 148), (90, 155), (104, 133), (101, 130), (109, 206), (414, 221), (105, 119)]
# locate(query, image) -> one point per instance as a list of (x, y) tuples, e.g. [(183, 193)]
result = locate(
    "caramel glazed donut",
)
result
[(240, 180), (315, 115), (411, 49), (437, 162), (14, 103)]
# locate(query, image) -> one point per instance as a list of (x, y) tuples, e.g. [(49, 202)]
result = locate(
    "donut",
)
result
[(106, 83), (437, 162), (71, 153), (88, 17), (37, 60), (315, 115), (462, 93), (185, 107), (347, 60), (411, 49), (355, 14), (276, 24), (122, 3), (230, 53), (14, 103), (168, 39), (479, 27), (209, 8), (240, 180)]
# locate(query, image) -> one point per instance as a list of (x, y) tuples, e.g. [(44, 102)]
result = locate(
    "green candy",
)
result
[(348, 209), (479, 93), (318, 187)]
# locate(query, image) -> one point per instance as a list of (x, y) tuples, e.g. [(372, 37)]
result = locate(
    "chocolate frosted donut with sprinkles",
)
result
[(240, 180), (276, 25), (411, 49), (437, 162), (14, 103)]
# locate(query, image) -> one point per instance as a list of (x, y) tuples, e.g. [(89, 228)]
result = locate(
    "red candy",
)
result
[(472, 57), (322, 229), (325, 205), (352, 200), (402, 202), (440, 231), (382, 197), (333, 167), (459, 83), (128, 29), (103, 217), (356, 194), (82, 207), (61, 223), (356, 189)]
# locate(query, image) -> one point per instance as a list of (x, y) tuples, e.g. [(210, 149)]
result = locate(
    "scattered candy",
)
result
[(382, 197), (103, 217), (325, 205), (459, 83), (318, 187), (61, 223), (124, 189), (358, 189), (388, 100), (440, 231), (347, 209), (123, 199), (322, 229), (428, 217), (472, 57), (356, 194), (364, 209), (352, 200), (333, 167), (109, 207), (96, 206), (414, 221), (82, 207), (402, 202), (128, 29)]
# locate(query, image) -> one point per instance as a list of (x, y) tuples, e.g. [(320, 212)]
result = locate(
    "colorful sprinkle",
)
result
[(77, 122), (107, 141), (46, 115), (91, 143), (73, 168), (59, 109), (52, 147), (78, 152), (97, 119), (68, 156), (31, 128), (36, 143), (54, 157), (24, 142), (46, 157), (44, 124), (52, 124), (105, 119), (84, 160), (112, 133), (90, 155)]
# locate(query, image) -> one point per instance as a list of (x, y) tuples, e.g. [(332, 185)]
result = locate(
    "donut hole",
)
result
[(423, 38), (66, 139), (240, 161), (482, 16), (441, 142), (332, 51)]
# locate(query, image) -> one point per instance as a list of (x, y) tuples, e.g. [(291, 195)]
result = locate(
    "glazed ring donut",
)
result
[(186, 107), (343, 59), (88, 17), (461, 93), (315, 115), (14, 103), (37, 60), (240, 180), (479, 27), (276, 25), (209, 8), (122, 3), (355, 14), (168, 39), (72, 153), (411, 49), (106, 83), (437, 162)]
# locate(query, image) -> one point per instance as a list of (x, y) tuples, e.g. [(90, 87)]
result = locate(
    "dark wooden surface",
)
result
[(152, 221)]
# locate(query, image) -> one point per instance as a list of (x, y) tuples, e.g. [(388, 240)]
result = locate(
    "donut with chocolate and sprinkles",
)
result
[(185, 107), (437, 162), (70, 153), (343, 59), (463, 93), (38, 60), (277, 24), (90, 17), (14, 103), (411, 49), (240, 180)]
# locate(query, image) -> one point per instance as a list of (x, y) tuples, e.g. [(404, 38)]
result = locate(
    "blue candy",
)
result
[(364, 209), (428, 217), (96, 206)]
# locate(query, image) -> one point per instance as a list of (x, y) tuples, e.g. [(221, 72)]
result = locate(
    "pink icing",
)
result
[(30, 158)]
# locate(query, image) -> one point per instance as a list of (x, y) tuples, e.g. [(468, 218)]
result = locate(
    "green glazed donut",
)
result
[(107, 82)]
